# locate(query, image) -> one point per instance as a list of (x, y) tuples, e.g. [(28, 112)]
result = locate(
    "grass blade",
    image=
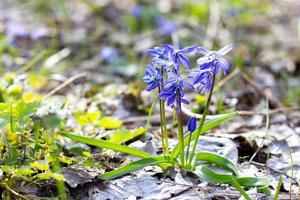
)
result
[(107, 145), (135, 166), (209, 175), (209, 124), (278, 187), (238, 187), (253, 181), (217, 160)]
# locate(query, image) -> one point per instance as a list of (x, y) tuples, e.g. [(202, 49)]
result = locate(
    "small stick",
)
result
[(198, 116), (262, 92), (14, 192), (65, 83)]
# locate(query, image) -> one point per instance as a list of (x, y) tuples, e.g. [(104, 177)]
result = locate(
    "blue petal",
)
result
[(192, 124), (154, 52), (168, 47), (146, 79), (202, 50), (171, 99), (184, 101), (189, 49), (204, 60), (184, 60), (225, 50), (224, 65)]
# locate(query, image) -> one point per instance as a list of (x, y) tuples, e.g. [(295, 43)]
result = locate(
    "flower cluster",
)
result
[(166, 63)]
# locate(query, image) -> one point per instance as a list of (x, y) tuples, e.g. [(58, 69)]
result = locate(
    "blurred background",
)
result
[(56, 39)]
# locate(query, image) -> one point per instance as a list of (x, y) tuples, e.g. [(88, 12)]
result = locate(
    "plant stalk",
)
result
[(188, 147), (163, 117), (206, 110), (161, 124), (180, 130)]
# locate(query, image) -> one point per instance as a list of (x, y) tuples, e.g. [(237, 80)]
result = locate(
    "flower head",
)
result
[(202, 79), (137, 11), (152, 77), (192, 124), (178, 55), (165, 26), (108, 54), (213, 59), (173, 88)]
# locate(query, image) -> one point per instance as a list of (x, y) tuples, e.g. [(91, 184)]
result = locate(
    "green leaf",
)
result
[(135, 166), (253, 181), (278, 187), (238, 187), (209, 124), (107, 145), (124, 135), (4, 119), (209, 175), (110, 123), (217, 160)]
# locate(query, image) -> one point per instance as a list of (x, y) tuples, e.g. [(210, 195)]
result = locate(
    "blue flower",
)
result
[(137, 11), (178, 55), (152, 77), (202, 79), (213, 59), (109, 54), (174, 88), (192, 124), (158, 53), (166, 27)]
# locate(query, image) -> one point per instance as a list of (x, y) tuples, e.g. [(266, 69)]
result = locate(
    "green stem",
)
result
[(188, 147), (164, 122), (163, 118), (150, 114), (180, 130), (202, 121), (161, 125)]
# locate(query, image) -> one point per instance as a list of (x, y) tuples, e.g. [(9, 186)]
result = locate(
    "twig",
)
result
[(262, 92), (198, 116), (267, 136), (32, 62), (227, 78), (14, 192), (65, 83), (275, 170)]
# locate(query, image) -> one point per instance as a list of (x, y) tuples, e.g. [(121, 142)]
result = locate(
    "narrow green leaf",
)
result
[(135, 166), (209, 124), (238, 187), (209, 175), (217, 160), (107, 145), (265, 189), (253, 181), (278, 187)]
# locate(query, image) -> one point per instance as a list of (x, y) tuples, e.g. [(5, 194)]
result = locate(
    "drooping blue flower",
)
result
[(137, 11), (213, 59), (152, 77), (164, 58), (16, 33), (108, 54), (202, 79), (192, 124), (165, 26), (178, 55), (174, 88), (158, 53)]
